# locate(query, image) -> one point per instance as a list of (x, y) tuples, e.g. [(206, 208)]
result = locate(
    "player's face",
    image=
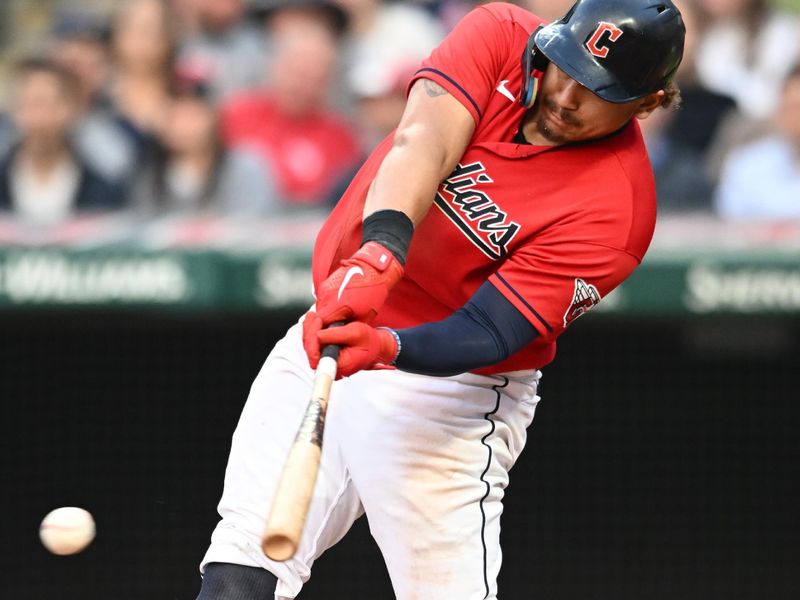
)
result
[(568, 112)]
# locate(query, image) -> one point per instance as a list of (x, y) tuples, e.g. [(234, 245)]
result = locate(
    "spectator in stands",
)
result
[(80, 45), (184, 13), (762, 180), (7, 133), (549, 10), (681, 181), (326, 12), (381, 98), (43, 178), (289, 123), (380, 101), (225, 49), (449, 12), (282, 15), (388, 32), (143, 42), (677, 140), (703, 111), (746, 52), (193, 172)]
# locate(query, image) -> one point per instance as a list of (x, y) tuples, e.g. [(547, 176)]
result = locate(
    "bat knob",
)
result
[(278, 547)]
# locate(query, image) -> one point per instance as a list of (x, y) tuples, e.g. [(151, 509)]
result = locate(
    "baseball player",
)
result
[(514, 195)]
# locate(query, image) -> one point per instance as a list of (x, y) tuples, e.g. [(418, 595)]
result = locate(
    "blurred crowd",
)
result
[(265, 107)]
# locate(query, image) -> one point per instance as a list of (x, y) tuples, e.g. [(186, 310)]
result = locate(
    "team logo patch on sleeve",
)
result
[(584, 298)]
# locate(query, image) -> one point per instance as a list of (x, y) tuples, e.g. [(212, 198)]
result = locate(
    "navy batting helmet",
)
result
[(619, 49)]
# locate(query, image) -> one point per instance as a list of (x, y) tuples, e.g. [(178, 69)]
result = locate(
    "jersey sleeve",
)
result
[(553, 284), (469, 61)]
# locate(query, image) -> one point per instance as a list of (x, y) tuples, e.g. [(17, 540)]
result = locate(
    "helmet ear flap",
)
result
[(533, 62)]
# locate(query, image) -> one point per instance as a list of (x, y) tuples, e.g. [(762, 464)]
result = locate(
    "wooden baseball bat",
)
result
[(296, 484)]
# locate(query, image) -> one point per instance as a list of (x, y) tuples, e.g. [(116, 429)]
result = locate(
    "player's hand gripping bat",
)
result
[(296, 484)]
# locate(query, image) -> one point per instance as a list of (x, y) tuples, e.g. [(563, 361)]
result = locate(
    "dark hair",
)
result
[(170, 33), (672, 96), (328, 12), (81, 26), (67, 81), (158, 155)]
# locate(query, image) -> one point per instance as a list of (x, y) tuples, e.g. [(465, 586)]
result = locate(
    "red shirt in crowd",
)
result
[(554, 228), (306, 154)]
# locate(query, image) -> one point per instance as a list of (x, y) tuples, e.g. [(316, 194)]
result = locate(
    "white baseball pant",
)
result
[(427, 459)]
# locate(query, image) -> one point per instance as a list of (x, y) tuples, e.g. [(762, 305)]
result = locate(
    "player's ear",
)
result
[(649, 103)]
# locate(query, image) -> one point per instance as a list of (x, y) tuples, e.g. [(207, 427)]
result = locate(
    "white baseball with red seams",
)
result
[(67, 530)]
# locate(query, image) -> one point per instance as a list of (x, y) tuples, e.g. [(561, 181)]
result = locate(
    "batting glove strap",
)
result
[(397, 341), (376, 256)]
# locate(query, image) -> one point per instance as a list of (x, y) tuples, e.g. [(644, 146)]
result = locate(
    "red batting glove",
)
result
[(312, 324), (357, 289), (353, 292), (362, 347)]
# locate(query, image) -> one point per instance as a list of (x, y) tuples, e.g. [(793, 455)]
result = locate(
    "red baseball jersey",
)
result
[(554, 228)]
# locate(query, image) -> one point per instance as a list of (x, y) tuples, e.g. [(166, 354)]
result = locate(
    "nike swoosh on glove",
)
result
[(357, 289), (362, 347)]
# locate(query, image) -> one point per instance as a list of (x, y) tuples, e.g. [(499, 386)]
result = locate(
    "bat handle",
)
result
[(331, 351)]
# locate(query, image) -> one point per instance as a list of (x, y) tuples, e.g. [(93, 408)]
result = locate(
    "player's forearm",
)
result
[(410, 174), (428, 143), (487, 330)]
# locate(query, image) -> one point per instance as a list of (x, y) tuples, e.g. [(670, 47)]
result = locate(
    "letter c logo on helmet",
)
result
[(593, 43), (640, 62)]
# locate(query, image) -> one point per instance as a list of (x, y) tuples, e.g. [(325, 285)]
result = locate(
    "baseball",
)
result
[(67, 530)]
